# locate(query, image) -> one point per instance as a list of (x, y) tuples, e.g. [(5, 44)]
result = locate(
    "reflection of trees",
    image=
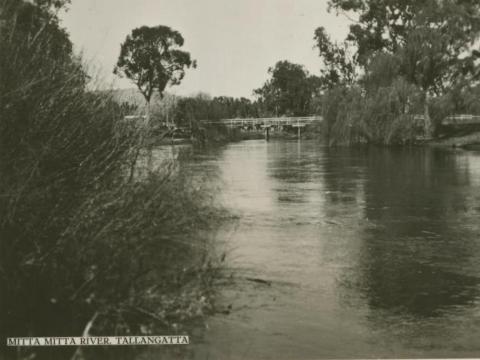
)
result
[(414, 252), (344, 168), (294, 163)]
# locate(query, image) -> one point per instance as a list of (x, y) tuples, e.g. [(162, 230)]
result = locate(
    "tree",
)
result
[(382, 71), (339, 65), (202, 107), (289, 90), (151, 58), (434, 39), (381, 25), (385, 25)]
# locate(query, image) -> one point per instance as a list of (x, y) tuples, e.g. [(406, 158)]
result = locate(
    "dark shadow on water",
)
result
[(414, 259)]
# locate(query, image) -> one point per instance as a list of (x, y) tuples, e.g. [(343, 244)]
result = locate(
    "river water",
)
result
[(347, 252)]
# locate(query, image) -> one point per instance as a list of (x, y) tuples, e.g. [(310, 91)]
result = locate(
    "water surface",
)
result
[(368, 252)]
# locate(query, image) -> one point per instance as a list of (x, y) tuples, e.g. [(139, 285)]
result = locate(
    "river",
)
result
[(346, 252)]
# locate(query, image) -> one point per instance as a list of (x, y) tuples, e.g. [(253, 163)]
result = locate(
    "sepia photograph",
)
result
[(239, 179)]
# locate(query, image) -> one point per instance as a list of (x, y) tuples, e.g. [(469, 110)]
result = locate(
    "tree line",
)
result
[(290, 92), (403, 60), (152, 58)]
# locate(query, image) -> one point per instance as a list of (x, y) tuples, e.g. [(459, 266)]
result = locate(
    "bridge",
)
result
[(457, 120), (264, 124), (306, 120), (268, 123), (296, 122)]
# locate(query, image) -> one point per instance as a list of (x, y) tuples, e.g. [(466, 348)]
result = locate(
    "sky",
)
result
[(233, 41)]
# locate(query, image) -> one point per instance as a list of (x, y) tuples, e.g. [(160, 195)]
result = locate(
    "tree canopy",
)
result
[(288, 91), (339, 64), (152, 59), (434, 39), (204, 107), (431, 44)]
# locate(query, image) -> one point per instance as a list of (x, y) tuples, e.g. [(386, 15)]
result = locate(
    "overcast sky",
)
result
[(233, 41)]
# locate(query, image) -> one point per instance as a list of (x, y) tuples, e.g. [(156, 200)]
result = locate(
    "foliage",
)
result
[(80, 244), (52, 4), (430, 36), (289, 91), (463, 99), (382, 25), (385, 116), (429, 44), (337, 111), (152, 59), (339, 65), (202, 107), (381, 71)]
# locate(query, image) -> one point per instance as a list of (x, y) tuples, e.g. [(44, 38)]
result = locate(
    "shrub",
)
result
[(382, 116), (83, 246)]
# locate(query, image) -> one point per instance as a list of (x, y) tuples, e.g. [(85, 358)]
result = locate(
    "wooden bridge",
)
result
[(457, 120), (274, 123), (297, 122)]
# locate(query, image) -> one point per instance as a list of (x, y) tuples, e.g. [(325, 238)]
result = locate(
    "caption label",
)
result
[(99, 340)]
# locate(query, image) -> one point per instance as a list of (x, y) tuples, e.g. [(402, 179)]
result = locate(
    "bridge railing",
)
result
[(293, 121), (461, 119), (464, 119)]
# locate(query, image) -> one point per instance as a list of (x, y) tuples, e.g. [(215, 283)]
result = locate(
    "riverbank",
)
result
[(470, 141), (220, 135), (97, 237)]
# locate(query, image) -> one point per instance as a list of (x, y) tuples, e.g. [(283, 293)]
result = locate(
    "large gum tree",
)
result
[(152, 59)]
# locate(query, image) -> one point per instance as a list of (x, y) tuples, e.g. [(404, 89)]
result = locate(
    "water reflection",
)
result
[(370, 252), (413, 258), (419, 256)]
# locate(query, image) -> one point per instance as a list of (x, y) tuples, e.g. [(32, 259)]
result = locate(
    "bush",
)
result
[(385, 115), (341, 111), (83, 246)]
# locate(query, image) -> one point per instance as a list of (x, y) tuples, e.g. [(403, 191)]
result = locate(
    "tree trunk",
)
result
[(146, 140), (427, 121), (147, 114), (143, 129)]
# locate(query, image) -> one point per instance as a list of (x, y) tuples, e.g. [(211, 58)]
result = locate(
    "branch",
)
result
[(42, 29), (344, 13), (86, 331), (77, 355)]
